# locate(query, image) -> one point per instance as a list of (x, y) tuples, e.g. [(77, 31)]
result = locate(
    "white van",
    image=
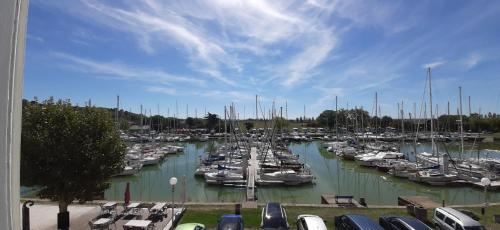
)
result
[(451, 219)]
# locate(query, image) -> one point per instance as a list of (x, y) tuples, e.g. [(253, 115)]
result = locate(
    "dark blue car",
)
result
[(230, 222), (274, 217), (355, 222), (401, 223)]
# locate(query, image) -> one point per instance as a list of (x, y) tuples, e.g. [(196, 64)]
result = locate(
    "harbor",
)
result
[(333, 176)]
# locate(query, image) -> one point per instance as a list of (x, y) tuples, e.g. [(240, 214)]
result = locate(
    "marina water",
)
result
[(333, 176)]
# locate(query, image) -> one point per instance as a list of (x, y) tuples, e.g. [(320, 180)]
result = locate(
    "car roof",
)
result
[(412, 222), (188, 226), (273, 216), (364, 222), (313, 222), (461, 217)]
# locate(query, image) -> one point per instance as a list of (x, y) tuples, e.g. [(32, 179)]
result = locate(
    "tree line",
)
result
[(358, 119), (345, 119)]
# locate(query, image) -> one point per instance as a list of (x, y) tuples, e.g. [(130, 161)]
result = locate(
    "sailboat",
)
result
[(433, 176)]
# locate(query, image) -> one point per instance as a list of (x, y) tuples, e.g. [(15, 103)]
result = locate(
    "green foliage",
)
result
[(249, 125), (343, 117), (280, 123), (69, 153), (190, 122), (386, 121), (212, 121)]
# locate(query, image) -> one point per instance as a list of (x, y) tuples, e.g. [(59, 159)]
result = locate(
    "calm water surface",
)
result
[(333, 176)]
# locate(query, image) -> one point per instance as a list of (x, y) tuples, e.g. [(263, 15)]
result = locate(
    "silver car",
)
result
[(451, 219), (310, 222)]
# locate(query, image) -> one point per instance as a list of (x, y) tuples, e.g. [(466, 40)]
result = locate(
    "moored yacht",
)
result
[(433, 177), (288, 177)]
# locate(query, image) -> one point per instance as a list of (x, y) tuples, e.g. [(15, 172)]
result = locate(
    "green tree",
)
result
[(281, 123), (326, 119), (69, 153), (190, 122), (212, 121), (249, 125), (386, 122)]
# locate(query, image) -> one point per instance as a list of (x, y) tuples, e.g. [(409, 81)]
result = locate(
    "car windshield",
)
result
[(274, 210), (274, 222)]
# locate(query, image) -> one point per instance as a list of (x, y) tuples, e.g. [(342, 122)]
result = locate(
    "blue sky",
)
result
[(207, 54)]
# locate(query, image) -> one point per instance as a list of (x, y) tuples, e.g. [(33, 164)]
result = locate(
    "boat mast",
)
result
[(142, 126), (225, 127), (158, 113), (461, 122), (117, 115), (175, 117), (256, 110), (430, 102), (399, 112), (376, 115), (402, 125), (363, 127), (336, 120), (286, 115)]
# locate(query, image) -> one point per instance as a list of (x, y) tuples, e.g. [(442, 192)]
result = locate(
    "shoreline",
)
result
[(259, 204)]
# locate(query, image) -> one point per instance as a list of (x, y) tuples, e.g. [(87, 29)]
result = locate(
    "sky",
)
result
[(186, 57)]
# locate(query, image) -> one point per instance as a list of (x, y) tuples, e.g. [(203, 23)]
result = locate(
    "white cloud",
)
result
[(151, 26), (433, 65), (301, 65), (472, 61), (35, 38), (215, 34), (121, 71), (378, 14), (327, 98), (227, 95), (163, 90)]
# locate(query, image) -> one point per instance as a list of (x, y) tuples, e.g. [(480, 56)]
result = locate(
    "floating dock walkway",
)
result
[(421, 201), (340, 201), (253, 167)]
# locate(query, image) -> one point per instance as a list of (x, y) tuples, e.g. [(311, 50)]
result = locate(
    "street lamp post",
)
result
[(173, 182), (485, 182)]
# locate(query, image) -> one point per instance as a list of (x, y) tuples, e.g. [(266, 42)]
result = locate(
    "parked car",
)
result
[(310, 222), (274, 217), (355, 222), (452, 219), (190, 226), (230, 222), (401, 223)]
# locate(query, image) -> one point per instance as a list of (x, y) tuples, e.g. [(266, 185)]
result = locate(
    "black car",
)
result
[(274, 217), (355, 222), (401, 223)]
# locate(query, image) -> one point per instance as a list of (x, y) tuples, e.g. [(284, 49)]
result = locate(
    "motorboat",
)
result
[(289, 177), (433, 177), (222, 175), (150, 160), (370, 161), (348, 153)]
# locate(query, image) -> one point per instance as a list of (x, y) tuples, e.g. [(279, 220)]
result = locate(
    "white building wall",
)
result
[(13, 17)]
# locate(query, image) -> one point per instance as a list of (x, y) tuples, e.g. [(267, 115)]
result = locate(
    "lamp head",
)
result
[(173, 181), (485, 181)]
